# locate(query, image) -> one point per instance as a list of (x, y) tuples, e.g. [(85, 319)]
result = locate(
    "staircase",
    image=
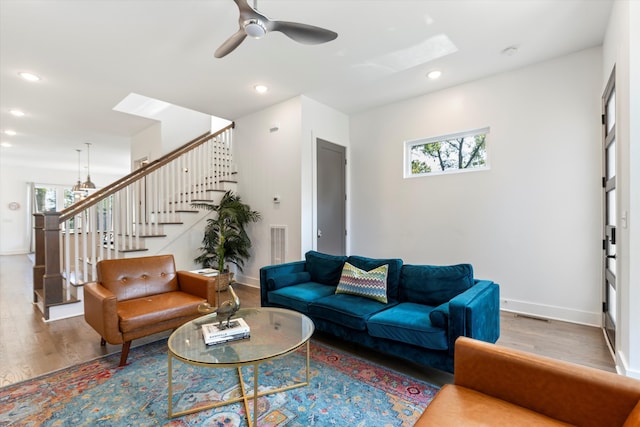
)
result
[(138, 215)]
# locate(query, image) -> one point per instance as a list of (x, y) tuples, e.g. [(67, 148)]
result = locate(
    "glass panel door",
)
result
[(610, 212)]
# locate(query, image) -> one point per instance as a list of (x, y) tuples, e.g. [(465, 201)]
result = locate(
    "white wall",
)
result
[(620, 48), (530, 223), (15, 226), (181, 125), (282, 163), (633, 328), (146, 144), (269, 164), (175, 127)]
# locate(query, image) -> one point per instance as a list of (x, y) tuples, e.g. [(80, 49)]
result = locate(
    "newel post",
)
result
[(38, 267), (47, 279)]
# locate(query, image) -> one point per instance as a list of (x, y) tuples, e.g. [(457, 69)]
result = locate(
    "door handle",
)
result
[(319, 233)]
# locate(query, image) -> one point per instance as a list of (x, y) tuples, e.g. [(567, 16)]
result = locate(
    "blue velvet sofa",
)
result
[(426, 307)]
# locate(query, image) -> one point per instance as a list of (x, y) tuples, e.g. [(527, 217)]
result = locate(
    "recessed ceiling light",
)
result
[(10, 132), (29, 76), (261, 88), (17, 113), (434, 74), (5, 144)]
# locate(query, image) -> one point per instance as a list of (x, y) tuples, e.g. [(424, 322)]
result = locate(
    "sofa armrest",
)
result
[(101, 312), (271, 271), (198, 285), (571, 393), (475, 313)]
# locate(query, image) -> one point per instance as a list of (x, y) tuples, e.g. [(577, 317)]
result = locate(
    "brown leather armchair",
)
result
[(136, 297), (498, 386)]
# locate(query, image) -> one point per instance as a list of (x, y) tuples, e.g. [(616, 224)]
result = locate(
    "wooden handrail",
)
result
[(123, 182)]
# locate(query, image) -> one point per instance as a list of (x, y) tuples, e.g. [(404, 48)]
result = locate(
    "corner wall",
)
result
[(282, 162), (269, 164), (532, 222)]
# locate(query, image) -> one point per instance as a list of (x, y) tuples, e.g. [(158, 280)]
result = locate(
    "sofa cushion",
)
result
[(393, 275), (347, 310), (298, 297), (439, 316), (432, 285), (460, 406), (285, 280), (324, 268), (142, 312), (409, 323), (131, 278), (369, 284)]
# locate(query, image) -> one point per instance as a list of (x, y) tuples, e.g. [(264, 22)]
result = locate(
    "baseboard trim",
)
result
[(622, 366), (551, 312), (249, 281)]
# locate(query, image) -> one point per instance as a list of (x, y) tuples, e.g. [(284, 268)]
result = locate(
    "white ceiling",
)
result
[(91, 54)]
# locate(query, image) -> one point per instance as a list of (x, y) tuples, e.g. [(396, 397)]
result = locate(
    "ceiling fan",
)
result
[(255, 24)]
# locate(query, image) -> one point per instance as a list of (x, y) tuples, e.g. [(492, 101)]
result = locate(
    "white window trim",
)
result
[(422, 141)]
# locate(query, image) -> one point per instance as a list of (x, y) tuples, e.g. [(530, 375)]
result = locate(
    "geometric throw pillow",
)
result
[(370, 284)]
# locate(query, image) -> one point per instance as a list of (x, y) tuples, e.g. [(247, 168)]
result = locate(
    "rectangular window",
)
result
[(52, 198), (465, 151)]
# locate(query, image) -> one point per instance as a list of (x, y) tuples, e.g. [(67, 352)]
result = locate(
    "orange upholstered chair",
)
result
[(136, 297)]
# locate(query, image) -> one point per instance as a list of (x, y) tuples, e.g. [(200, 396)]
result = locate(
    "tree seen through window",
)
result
[(465, 151)]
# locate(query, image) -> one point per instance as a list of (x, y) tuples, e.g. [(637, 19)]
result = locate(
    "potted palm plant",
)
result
[(225, 238)]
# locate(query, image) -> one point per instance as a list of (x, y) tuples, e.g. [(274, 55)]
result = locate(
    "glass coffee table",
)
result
[(275, 332)]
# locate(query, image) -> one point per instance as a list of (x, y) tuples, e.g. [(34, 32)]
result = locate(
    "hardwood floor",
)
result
[(30, 347)]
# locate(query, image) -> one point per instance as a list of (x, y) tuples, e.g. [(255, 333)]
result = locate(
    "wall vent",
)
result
[(278, 244)]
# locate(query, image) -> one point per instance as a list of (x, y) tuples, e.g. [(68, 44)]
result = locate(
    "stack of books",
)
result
[(214, 333), (209, 272)]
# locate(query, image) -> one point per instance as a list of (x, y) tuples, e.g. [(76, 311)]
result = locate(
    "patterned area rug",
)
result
[(344, 391)]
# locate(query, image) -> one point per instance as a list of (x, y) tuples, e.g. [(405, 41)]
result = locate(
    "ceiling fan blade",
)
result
[(302, 33), (231, 43), (244, 8)]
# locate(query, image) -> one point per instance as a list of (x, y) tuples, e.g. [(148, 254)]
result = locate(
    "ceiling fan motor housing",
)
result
[(254, 28)]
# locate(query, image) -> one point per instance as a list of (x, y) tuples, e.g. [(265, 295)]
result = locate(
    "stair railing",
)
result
[(117, 218)]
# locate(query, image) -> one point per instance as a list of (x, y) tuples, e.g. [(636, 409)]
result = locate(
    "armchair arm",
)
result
[(101, 312), (578, 395), (475, 313), (271, 271), (199, 285)]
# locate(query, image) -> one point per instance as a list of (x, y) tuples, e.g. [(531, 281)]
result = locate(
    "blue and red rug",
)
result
[(344, 391)]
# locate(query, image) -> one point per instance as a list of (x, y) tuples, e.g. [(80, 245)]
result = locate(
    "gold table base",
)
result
[(244, 397)]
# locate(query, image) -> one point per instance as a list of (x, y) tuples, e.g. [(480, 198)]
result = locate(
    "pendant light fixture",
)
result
[(88, 185), (78, 187)]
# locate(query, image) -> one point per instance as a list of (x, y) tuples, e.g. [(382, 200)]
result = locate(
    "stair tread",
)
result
[(74, 279), (65, 299), (133, 250)]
